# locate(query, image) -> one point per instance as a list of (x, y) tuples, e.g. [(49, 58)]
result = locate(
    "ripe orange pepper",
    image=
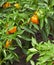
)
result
[(34, 19), (8, 43), (17, 5), (13, 30), (6, 5)]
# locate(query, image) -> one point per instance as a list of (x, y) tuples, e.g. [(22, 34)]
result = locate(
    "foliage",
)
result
[(7, 55), (16, 24), (45, 51)]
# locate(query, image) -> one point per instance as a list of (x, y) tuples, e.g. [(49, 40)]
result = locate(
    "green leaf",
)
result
[(23, 15), (24, 37), (19, 42), (34, 42), (29, 57), (1, 45), (44, 36), (41, 23), (16, 56), (32, 62), (36, 26), (4, 52), (52, 2), (32, 50), (20, 32), (9, 57), (28, 30), (2, 2), (12, 48), (47, 27), (43, 59)]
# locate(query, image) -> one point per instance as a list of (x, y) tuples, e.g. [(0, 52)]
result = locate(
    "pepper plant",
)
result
[(21, 20), (45, 50)]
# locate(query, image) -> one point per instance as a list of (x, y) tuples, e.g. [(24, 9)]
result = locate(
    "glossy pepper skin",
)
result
[(13, 30), (8, 43), (34, 19)]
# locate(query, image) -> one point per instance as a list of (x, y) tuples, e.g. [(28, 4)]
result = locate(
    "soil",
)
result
[(22, 58)]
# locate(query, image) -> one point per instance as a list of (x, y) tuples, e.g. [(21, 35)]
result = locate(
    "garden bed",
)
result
[(23, 56), (27, 32)]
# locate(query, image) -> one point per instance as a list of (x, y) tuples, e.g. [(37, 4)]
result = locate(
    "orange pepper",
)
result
[(8, 43), (34, 19), (13, 30), (6, 5)]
